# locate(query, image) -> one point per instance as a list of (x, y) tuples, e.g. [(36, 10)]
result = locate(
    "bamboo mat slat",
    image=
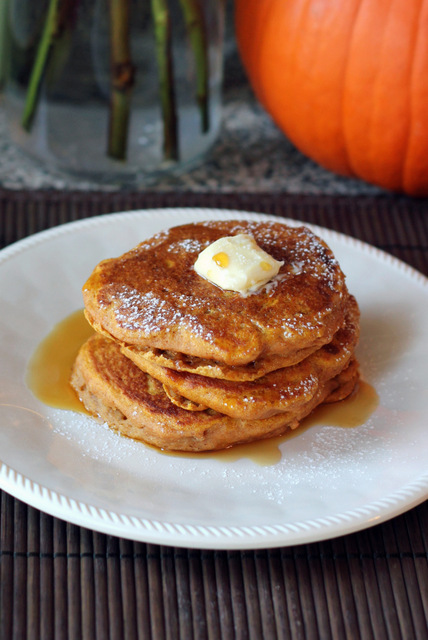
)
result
[(62, 581)]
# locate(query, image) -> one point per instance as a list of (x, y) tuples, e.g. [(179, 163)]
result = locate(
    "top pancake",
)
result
[(152, 296)]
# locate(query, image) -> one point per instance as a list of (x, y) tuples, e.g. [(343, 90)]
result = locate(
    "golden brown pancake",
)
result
[(182, 364), (133, 403), (212, 369), (279, 391), (151, 297)]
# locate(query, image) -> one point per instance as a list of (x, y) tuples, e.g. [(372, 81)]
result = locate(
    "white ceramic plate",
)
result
[(329, 481)]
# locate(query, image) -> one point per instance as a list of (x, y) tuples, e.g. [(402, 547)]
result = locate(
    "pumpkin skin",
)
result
[(346, 81)]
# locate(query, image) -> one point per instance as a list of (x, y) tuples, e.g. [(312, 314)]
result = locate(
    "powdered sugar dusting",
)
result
[(142, 311), (305, 387), (192, 245), (321, 457), (151, 315)]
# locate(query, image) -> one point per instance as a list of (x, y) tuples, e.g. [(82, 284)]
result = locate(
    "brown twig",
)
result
[(195, 25), (162, 24), (122, 79)]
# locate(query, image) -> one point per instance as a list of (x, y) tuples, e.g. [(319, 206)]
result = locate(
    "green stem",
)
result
[(57, 17), (42, 58), (122, 74), (195, 24), (162, 24), (4, 35)]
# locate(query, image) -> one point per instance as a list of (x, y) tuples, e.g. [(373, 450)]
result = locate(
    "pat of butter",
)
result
[(237, 263)]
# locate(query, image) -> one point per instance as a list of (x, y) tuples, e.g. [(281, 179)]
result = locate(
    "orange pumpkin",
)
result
[(346, 81)]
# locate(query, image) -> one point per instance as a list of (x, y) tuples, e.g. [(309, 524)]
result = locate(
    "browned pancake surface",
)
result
[(211, 368), (152, 297), (133, 403), (282, 390)]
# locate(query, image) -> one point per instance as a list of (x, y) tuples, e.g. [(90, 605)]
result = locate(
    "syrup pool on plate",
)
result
[(50, 367)]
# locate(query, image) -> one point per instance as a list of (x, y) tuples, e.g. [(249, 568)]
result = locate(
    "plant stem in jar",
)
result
[(51, 32), (122, 79), (4, 35), (195, 25), (162, 26)]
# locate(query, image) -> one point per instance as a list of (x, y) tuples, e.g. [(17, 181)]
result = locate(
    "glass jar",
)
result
[(117, 91)]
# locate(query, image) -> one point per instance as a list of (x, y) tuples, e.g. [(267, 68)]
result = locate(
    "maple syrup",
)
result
[(351, 412), (50, 367)]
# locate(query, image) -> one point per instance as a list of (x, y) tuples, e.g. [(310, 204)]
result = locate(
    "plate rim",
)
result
[(209, 536)]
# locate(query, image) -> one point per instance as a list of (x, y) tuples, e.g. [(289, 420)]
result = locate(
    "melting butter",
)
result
[(237, 263)]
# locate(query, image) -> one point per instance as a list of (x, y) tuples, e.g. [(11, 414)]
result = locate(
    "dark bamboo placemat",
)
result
[(63, 581)]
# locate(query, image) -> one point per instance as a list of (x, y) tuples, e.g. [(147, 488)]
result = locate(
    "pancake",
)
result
[(134, 404), (349, 376), (212, 369), (279, 391), (151, 297)]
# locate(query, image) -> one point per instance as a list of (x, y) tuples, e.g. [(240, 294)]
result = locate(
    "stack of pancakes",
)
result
[(182, 364)]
